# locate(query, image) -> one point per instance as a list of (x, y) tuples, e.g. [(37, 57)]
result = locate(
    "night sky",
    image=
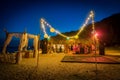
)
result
[(63, 15)]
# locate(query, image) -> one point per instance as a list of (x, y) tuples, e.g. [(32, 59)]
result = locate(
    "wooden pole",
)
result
[(38, 50)]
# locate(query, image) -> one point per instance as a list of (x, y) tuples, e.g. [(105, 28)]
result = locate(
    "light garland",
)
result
[(43, 23)]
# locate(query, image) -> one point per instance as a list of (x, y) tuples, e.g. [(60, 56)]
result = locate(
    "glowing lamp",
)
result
[(96, 34), (67, 38), (92, 13), (48, 38), (52, 30), (76, 37), (42, 20), (45, 36)]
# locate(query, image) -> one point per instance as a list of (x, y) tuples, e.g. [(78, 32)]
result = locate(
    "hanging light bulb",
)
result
[(76, 37), (45, 36), (92, 13), (67, 38), (52, 30), (41, 20), (48, 38)]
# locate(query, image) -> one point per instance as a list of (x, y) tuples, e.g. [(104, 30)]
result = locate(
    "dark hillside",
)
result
[(109, 30)]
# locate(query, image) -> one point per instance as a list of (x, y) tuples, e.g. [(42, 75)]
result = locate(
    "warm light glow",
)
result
[(76, 37), (68, 38), (91, 12), (52, 30), (48, 38), (45, 36), (96, 34), (42, 20)]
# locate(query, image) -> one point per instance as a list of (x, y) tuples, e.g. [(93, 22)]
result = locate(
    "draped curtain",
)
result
[(23, 40)]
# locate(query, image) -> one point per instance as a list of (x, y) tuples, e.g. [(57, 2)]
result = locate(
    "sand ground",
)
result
[(50, 67)]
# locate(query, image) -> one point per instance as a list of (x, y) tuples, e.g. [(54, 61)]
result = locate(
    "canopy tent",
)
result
[(23, 42)]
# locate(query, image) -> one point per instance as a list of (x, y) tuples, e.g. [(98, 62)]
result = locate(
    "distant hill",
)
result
[(108, 31)]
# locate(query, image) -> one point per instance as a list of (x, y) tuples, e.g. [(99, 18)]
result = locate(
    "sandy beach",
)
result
[(50, 67)]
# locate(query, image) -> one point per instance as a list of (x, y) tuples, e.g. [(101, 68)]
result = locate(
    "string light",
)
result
[(43, 23)]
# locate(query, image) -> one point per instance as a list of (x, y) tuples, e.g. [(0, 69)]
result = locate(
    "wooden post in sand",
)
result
[(38, 50), (18, 57), (101, 48), (36, 39), (20, 48)]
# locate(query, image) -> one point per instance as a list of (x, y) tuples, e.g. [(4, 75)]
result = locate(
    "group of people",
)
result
[(80, 48), (55, 48), (76, 48)]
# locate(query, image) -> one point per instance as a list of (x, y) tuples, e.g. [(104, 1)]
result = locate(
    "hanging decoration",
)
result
[(52, 30), (76, 37), (48, 38), (44, 23), (67, 38), (45, 35)]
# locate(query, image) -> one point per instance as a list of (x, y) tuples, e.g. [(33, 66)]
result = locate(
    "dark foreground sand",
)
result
[(50, 67)]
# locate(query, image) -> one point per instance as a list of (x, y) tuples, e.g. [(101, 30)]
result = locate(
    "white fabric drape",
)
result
[(23, 41), (17, 35), (35, 43), (7, 41)]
